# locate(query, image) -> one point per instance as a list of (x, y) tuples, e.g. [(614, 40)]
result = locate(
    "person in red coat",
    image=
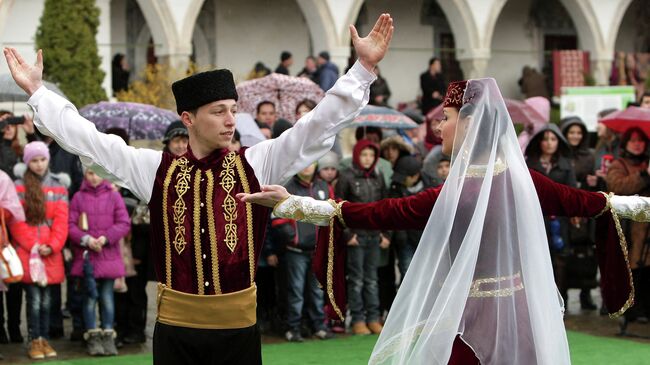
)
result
[(45, 199), (480, 288)]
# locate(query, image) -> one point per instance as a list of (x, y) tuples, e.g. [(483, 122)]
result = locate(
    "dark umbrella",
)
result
[(382, 117), (141, 121), (10, 91)]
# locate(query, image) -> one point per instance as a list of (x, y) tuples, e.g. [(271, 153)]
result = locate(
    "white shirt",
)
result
[(274, 161)]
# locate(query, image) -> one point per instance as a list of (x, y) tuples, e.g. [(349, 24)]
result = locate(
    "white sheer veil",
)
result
[(482, 269)]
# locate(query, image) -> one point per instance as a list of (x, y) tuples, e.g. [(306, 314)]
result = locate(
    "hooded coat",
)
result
[(583, 157), (562, 171), (360, 185), (107, 216)]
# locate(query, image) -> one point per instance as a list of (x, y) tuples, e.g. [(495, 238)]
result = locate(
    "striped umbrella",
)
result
[(382, 117)]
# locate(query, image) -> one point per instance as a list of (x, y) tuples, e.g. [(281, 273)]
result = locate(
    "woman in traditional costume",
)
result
[(480, 288)]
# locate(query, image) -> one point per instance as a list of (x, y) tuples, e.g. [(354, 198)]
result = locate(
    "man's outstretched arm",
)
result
[(56, 117), (276, 161)]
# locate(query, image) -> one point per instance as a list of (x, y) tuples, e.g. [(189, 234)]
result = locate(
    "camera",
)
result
[(12, 121)]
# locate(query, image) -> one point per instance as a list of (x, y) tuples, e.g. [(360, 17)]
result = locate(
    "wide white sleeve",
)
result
[(636, 208), (108, 155), (276, 161), (306, 209)]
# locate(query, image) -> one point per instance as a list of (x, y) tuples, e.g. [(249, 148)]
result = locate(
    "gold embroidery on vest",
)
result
[(229, 204), (168, 253), (182, 186), (197, 231), (212, 230), (249, 219)]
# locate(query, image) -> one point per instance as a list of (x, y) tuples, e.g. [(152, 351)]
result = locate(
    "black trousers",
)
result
[(14, 297), (131, 307), (181, 345)]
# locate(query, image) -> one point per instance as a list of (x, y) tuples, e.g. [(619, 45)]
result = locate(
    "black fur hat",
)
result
[(203, 88)]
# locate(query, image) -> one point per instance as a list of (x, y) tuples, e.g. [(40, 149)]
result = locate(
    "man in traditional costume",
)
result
[(480, 288), (205, 244)]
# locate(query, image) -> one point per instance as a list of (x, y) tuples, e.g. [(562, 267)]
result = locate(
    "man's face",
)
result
[(321, 61), (328, 174), (288, 62), (178, 145), (267, 114), (38, 165), (213, 126), (435, 67), (411, 180), (645, 102), (367, 158)]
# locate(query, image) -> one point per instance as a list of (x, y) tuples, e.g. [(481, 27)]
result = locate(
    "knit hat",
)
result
[(203, 88), (35, 149), (175, 129), (406, 166), (331, 159)]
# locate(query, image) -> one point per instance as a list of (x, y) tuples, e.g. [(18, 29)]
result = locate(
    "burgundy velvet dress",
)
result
[(413, 213)]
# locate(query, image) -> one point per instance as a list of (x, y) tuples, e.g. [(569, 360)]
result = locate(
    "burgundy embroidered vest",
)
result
[(204, 240)]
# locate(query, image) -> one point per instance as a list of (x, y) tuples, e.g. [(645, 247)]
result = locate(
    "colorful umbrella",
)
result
[(520, 113), (633, 116), (382, 117), (284, 91), (141, 121)]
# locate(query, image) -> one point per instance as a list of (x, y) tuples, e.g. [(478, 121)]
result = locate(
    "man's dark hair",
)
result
[(265, 102), (362, 132), (285, 55)]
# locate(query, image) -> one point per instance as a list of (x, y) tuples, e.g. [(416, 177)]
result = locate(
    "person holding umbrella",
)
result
[(205, 244)]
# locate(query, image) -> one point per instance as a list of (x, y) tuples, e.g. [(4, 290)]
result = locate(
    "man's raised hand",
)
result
[(372, 48), (28, 77)]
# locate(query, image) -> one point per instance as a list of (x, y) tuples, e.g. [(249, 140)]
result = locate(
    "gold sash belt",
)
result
[(222, 311), (503, 286)]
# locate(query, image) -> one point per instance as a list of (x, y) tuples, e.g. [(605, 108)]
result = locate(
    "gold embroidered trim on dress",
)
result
[(623, 243), (330, 257), (480, 170), (182, 186), (168, 252), (212, 230), (249, 219), (197, 232), (229, 204), (476, 292)]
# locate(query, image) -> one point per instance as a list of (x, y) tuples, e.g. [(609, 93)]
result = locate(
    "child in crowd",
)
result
[(98, 221), (42, 235)]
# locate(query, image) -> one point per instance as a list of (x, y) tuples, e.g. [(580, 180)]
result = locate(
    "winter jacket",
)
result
[(582, 157), (106, 216), (429, 84), (328, 73), (53, 232), (300, 235), (62, 161), (361, 186), (405, 237), (629, 176), (8, 157)]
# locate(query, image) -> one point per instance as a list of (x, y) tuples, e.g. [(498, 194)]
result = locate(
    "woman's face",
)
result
[(549, 143), (447, 128), (636, 144), (574, 135), (302, 110), (9, 132)]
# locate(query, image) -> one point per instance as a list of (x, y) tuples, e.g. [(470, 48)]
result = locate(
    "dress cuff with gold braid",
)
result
[(306, 209), (625, 207)]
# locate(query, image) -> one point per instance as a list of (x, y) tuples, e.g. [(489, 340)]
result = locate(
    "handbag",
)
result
[(11, 269)]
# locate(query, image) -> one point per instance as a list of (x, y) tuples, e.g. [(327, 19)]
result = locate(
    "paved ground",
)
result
[(577, 320)]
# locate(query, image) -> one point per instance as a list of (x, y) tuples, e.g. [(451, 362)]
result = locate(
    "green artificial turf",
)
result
[(585, 350)]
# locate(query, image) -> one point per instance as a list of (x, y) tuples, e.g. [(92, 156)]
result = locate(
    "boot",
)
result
[(375, 327), (360, 328), (94, 342), (35, 351), (586, 302), (108, 342), (48, 351), (3, 336)]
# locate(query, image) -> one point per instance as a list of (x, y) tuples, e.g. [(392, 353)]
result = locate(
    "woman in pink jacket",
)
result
[(44, 197)]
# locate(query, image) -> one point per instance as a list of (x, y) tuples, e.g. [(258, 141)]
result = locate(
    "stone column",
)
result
[(474, 68)]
